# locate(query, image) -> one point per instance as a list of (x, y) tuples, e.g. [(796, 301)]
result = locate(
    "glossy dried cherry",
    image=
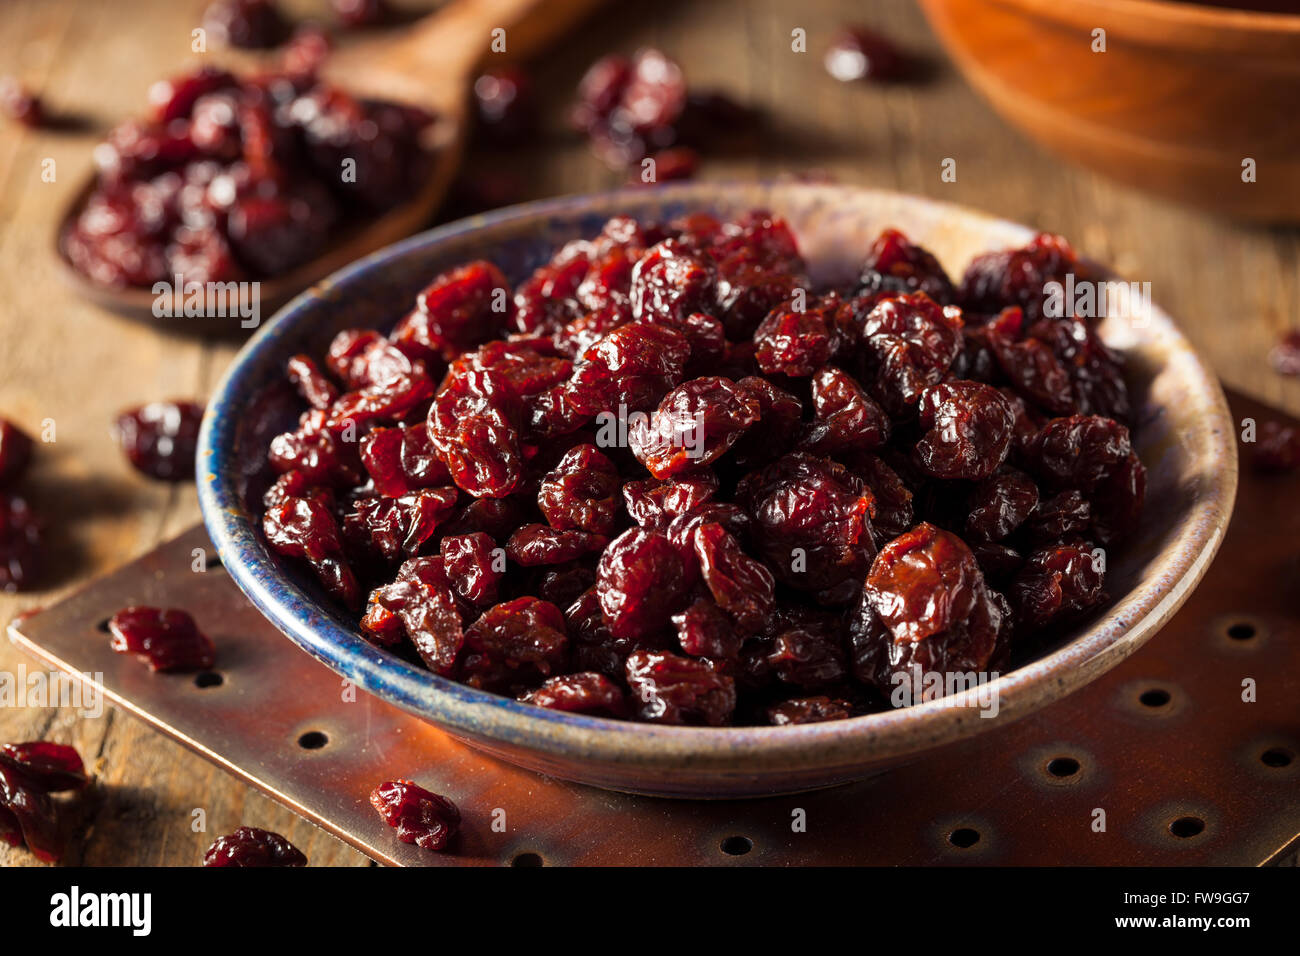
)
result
[(755, 499), (426, 819), (168, 639), (160, 438), (253, 847)]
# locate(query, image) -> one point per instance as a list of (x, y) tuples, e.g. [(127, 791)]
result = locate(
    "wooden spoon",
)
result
[(430, 64)]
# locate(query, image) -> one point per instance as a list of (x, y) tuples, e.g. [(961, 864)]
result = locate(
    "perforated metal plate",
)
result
[(1185, 771)]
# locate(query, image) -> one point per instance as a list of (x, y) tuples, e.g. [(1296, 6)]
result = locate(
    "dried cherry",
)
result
[(22, 549), (669, 689), (167, 638), (426, 819), (15, 452), (160, 438), (29, 773), (583, 693), (253, 847), (754, 499)]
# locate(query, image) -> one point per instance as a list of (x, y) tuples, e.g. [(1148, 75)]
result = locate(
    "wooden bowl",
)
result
[(1183, 95), (1185, 437)]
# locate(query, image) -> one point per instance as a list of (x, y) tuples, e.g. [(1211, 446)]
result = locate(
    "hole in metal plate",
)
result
[(737, 845), (1186, 827), (1241, 631), (1062, 766), (1277, 757), (527, 859), (313, 740), (964, 837), (208, 679), (1156, 697)]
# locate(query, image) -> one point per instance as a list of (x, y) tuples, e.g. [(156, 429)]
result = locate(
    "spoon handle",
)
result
[(439, 55)]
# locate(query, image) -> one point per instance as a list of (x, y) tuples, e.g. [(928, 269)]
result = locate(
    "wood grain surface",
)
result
[(1233, 288)]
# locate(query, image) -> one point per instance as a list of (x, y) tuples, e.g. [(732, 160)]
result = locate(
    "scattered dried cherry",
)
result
[(50, 766), (248, 24), (354, 14), (252, 847), (15, 452), (20, 104), (21, 544), (160, 438), (857, 53), (167, 638), (634, 108), (503, 101), (1285, 356), (29, 773), (1277, 448), (420, 817)]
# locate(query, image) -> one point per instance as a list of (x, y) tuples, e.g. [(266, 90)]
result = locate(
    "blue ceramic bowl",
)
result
[(1185, 440)]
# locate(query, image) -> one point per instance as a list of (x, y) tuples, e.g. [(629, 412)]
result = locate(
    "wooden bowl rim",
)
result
[(1207, 23)]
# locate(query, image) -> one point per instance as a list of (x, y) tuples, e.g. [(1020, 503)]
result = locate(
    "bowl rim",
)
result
[(1181, 12), (487, 717), (1166, 23)]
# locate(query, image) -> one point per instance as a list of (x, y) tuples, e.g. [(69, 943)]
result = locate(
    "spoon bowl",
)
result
[(431, 65)]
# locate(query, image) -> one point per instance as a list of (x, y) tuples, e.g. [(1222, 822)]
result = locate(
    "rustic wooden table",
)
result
[(1234, 289)]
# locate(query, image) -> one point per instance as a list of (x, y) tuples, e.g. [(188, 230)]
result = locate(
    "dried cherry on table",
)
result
[(252, 847), (672, 481), (29, 773), (160, 438), (22, 532)]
